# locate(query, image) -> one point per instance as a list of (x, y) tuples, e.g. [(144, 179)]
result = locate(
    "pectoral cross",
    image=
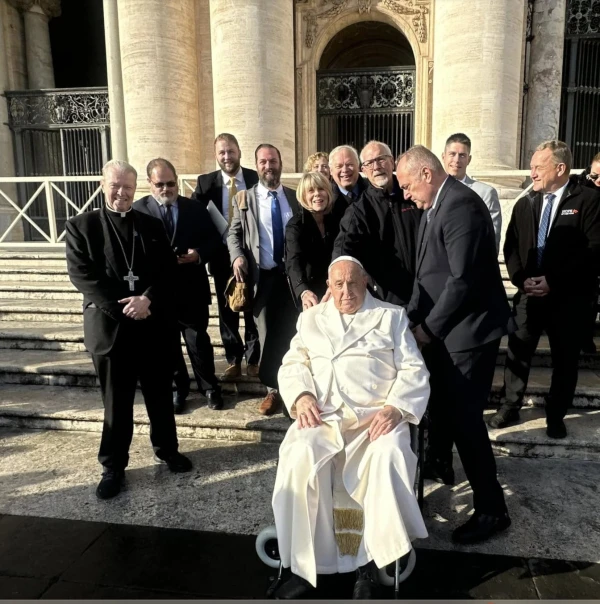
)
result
[(131, 278)]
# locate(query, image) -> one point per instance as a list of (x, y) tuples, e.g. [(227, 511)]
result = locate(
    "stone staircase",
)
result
[(47, 379)]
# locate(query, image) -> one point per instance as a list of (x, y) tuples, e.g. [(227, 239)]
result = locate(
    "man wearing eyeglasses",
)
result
[(195, 240), (380, 229)]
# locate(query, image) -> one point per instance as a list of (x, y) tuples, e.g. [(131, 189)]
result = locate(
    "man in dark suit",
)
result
[(344, 167), (551, 252), (256, 244), (459, 311), (120, 260), (195, 239), (220, 187)]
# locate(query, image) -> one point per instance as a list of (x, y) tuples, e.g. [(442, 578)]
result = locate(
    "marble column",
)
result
[(545, 74), (253, 74), (160, 82), (118, 133), (477, 82), (36, 14), (7, 162)]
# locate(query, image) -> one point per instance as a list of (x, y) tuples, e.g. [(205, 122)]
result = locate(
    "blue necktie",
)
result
[(544, 227), (277, 223)]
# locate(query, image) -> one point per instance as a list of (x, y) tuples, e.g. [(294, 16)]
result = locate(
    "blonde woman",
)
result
[(309, 238), (318, 162)]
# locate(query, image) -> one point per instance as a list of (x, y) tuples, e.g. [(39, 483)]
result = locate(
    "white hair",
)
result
[(386, 149), (119, 165), (418, 157), (348, 148)]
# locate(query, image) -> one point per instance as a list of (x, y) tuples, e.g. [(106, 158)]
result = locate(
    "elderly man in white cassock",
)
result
[(353, 380)]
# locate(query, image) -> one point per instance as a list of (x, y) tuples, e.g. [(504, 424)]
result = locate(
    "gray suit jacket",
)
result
[(243, 239), (490, 198)]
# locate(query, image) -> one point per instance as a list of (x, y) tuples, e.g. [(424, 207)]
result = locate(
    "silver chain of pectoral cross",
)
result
[(130, 278)]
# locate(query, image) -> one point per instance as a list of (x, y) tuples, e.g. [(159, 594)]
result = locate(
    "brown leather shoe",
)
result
[(233, 371), (252, 371), (271, 404)]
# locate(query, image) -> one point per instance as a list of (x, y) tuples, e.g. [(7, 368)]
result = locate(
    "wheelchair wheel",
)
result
[(407, 565), (267, 547)]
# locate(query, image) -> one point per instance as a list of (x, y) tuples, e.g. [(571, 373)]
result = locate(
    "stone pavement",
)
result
[(176, 535)]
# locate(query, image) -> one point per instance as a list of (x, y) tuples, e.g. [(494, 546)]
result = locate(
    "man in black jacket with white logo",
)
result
[(380, 229), (551, 252)]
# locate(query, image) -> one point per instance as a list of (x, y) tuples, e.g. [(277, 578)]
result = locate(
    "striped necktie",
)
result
[(544, 227), (277, 223), (232, 191)]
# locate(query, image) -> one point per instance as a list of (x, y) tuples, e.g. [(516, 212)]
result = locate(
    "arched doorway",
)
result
[(366, 88)]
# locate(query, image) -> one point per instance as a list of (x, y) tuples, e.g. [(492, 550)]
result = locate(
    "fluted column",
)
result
[(36, 14), (160, 82), (7, 163), (118, 133), (545, 74), (253, 74), (477, 84)]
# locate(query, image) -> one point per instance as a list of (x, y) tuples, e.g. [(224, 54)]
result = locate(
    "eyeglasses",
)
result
[(378, 160), (169, 184), (593, 177)]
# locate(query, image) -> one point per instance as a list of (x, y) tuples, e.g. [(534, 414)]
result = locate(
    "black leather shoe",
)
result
[(295, 588), (504, 417), (367, 583), (215, 400), (178, 403), (439, 471), (480, 527), (176, 462), (110, 484), (556, 428)]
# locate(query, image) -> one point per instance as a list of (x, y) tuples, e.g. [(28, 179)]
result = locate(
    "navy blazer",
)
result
[(194, 230), (458, 295)]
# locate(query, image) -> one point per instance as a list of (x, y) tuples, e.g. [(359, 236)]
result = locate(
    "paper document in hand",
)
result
[(219, 221)]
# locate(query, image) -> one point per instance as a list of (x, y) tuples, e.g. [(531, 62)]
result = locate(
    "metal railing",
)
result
[(67, 196)]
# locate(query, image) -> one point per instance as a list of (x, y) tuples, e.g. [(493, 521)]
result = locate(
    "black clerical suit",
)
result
[(570, 265), (210, 188), (460, 302), (380, 230), (191, 298), (123, 349)]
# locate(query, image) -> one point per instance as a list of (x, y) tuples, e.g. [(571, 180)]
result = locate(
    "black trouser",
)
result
[(229, 324), (138, 354), (460, 385), (276, 318), (193, 325), (565, 322)]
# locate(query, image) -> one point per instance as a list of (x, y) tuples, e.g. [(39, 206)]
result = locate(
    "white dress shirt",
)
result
[(437, 195), (265, 224), (240, 185), (559, 193)]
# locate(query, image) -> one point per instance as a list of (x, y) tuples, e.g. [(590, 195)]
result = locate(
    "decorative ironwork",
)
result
[(414, 8), (583, 18), (379, 91), (48, 108)]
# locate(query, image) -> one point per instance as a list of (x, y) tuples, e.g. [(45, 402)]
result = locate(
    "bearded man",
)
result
[(354, 380)]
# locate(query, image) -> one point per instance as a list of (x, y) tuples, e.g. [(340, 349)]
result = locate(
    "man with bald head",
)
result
[(344, 167), (353, 380), (380, 229), (459, 312)]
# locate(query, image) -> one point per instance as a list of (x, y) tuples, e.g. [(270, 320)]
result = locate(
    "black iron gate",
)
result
[(355, 106), (580, 113), (62, 132)]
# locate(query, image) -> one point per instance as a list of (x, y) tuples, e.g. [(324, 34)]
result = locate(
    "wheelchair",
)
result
[(394, 574)]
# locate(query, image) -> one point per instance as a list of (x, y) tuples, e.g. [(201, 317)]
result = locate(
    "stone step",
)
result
[(44, 290), (25, 335), (47, 407), (74, 368), (25, 310), (51, 407), (31, 272)]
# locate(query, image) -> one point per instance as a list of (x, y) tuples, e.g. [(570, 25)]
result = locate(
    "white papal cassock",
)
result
[(353, 365)]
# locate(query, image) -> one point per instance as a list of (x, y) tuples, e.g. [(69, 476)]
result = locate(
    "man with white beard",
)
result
[(354, 380)]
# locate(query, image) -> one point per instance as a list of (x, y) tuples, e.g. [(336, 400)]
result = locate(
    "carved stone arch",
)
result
[(316, 27)]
